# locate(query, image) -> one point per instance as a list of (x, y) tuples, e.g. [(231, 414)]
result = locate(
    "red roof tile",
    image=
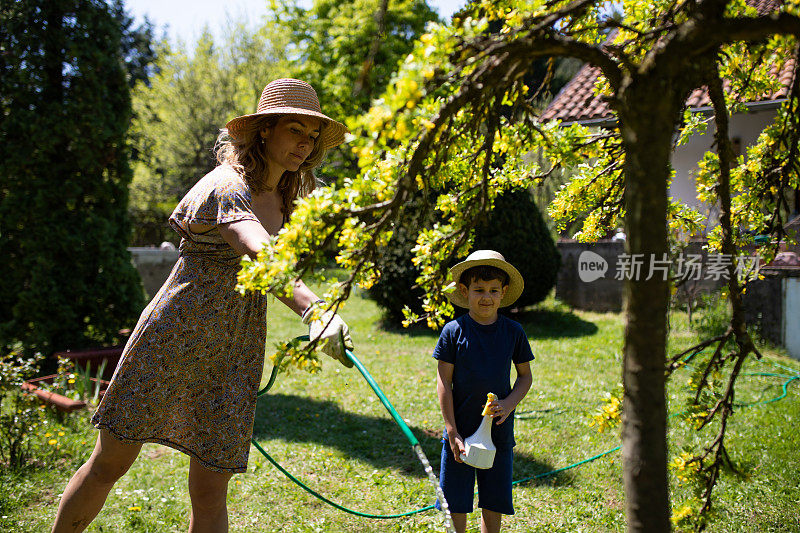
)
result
[(577, 101), (765, 6)]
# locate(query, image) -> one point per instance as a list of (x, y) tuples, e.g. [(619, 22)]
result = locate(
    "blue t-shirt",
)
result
[(482, 356)]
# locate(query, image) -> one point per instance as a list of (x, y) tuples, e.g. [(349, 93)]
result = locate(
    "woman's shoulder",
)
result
[(222, 185), (221, 182), (225, 175)]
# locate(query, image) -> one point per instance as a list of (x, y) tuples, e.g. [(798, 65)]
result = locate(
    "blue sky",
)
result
[(186, 18)]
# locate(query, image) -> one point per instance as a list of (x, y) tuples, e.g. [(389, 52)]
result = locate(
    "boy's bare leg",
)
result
[(208, 491), (88, 489), (490, 521), (459, 521)]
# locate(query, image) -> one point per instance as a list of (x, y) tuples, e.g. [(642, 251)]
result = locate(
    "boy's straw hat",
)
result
[(491, 258), (288, 96)]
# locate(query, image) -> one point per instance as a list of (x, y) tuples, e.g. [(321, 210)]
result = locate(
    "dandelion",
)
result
[(52, 442), (134, 508), (686, 466), (48, 435), (680, 515), (608, 416), (60, 433)]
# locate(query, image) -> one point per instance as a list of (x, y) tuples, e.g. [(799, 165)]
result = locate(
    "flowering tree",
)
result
[(444, 126)]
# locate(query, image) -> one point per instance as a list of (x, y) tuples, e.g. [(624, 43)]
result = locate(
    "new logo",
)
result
[(591, 266)]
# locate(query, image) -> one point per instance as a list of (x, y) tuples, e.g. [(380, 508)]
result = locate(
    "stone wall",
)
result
[(154, 266), (582, 285), (602, 294), (762, 306), (771, 305), (587, 281)]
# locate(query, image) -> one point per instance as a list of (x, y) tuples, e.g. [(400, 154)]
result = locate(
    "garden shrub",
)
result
[(68, 280), (714, 316), (396, 287), (20, 412), (515, 228)]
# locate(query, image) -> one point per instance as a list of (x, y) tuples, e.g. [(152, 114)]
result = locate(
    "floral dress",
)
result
[(189, 374)]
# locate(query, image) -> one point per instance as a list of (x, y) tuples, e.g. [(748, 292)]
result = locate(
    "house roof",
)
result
[(577, 101)]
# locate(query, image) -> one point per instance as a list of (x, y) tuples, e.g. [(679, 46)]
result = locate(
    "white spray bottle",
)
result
[(479, 445)]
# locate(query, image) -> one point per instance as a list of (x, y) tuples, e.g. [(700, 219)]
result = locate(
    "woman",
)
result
[(190, 371)]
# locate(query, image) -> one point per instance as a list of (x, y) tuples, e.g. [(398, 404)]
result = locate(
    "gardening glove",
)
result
[(332, 332)]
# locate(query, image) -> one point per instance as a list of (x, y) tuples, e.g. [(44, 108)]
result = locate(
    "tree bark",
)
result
[(363, 82), (647, 118)]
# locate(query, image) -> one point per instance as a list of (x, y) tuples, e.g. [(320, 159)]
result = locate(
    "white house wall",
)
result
[(746, 127), (791, 316)]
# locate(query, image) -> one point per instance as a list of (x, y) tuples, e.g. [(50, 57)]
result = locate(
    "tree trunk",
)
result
[(647, 124), (363, 82)]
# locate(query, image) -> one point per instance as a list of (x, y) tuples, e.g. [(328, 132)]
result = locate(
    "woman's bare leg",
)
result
[(209, 493), (86, 492)]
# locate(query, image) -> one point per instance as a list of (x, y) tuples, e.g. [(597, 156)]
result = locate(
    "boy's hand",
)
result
[(500, 408), (457, 446)]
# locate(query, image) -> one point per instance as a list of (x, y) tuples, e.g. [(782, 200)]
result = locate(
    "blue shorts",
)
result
[(494, 484)]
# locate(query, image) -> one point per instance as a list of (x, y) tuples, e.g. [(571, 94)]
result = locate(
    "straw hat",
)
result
[(490, 258), (288, 96)]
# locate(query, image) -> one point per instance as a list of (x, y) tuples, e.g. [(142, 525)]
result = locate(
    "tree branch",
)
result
[(708, 35)]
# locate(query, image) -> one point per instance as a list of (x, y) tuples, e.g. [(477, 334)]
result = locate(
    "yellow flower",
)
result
[(47, 435), (134, 508), (52, 442), (60, 433), (679, 515)]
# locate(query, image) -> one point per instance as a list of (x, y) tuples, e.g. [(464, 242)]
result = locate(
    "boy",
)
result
[(475, 352)]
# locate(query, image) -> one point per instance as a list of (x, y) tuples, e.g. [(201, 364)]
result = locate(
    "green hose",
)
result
[(415, 443), (372, 383), (389, 407), (385, 401), (330, 502), (775, 399)]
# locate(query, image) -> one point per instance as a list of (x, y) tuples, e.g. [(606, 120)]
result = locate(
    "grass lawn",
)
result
[(332, 432)]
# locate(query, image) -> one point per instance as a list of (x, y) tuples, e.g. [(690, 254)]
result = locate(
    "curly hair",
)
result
[(246, 154)]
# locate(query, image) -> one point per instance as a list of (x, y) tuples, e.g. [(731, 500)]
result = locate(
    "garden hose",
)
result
[(400, 423), (370, 381), (418, 449), (784, 387)]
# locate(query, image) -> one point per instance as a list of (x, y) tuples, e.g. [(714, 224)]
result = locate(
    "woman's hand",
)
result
[(332, 332)]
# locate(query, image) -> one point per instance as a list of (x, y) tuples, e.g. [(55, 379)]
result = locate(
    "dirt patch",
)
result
[(433, 433), (155, 451)]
